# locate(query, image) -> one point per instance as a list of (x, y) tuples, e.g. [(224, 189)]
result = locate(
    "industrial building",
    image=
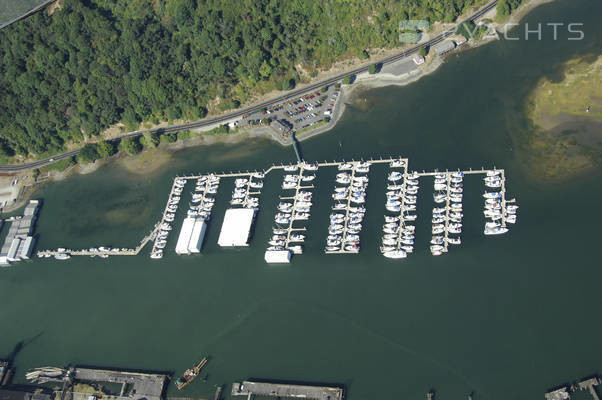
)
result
[(236, 228), (19, 241), (191, 236), (444, 47)]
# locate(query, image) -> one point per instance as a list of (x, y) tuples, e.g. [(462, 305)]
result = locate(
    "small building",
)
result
[(460, 39), (236, 228), (197, 236), (418, 59), (445, 47), (277, 256)]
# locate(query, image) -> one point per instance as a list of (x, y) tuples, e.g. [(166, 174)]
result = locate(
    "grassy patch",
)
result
[(311, 128), (58, 166), (564, 138), (573, 93)]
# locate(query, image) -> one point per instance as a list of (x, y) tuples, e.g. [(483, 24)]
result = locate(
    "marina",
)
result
[(447, 220), (347, 215), (287, 238), (398, 232), (348, 209)]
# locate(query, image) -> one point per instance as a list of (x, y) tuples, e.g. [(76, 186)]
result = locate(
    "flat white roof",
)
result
[(12, 252), (278, 256), (185, 233), (197, 236), (236, 227), (26, 249)]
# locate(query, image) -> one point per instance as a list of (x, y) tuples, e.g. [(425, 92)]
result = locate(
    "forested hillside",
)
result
[(93, 63)]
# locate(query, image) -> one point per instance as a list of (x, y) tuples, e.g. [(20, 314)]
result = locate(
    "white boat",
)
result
[(395, 254), (452, 240), (397, 163), (511, 219), (437, 240), (438, 229), (386, 248), (310, 167), (290, 168), (395, 176), (407, 249), (297, 249), (62, 256), (345, 166), (157, 254), (297, 238), (308, 178), (495, 231), (492, 195), (439, 198)]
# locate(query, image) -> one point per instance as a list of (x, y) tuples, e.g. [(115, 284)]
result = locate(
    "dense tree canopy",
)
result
[(92, 63)]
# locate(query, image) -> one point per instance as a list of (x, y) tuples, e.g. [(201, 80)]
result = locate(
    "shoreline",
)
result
[(362, 83)]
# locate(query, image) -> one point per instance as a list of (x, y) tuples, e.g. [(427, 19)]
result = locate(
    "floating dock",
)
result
[(349, 198), (250, 389), (287, 238), (558, 394), (398, 233)]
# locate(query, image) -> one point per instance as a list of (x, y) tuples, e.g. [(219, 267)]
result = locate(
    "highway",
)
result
[(289, 95)]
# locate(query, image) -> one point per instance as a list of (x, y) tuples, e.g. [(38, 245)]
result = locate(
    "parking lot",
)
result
[(297, 114)]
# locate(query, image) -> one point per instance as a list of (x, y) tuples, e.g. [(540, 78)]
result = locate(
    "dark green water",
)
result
[(507, 317)]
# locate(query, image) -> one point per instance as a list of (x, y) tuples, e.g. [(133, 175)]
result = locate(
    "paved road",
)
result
[(292, 94)]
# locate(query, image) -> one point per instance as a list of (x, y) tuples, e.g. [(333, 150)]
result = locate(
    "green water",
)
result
[(507, 317)]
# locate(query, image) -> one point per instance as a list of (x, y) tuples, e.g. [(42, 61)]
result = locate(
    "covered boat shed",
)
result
[(236, 228)]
